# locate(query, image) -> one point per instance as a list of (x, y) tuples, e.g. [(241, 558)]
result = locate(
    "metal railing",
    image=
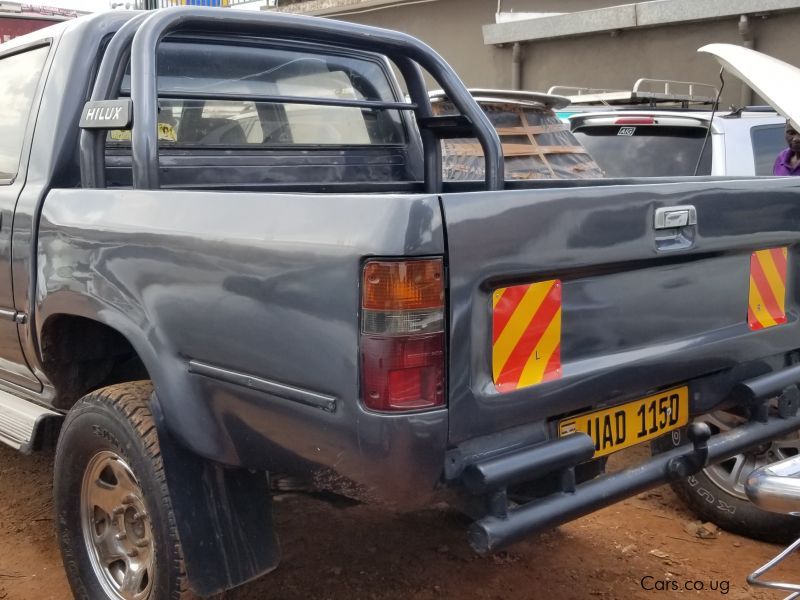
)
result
[(644, 91)]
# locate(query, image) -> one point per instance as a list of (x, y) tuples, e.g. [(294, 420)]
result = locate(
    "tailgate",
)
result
[(618, 309)]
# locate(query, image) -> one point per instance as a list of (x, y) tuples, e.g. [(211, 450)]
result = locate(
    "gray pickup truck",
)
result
[(228, 251)]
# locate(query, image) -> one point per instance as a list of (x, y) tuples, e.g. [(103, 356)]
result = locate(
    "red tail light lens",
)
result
[(635, 121), (402, 335), (403, 373)]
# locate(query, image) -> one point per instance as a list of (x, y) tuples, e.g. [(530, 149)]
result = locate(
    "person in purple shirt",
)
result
[(788, 161)]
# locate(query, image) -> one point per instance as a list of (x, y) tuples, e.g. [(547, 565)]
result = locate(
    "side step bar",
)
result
[(20, 421)]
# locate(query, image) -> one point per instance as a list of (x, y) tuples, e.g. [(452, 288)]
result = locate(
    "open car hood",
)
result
[(775, 81)]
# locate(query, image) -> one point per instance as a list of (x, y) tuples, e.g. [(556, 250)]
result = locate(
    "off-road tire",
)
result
[(710, 502), (115, 421)]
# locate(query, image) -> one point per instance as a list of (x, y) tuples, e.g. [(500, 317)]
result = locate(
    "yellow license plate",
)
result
[(632, 423)]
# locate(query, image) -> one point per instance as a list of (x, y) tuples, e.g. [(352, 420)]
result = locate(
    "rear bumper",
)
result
[(496, 531), (489, 477)]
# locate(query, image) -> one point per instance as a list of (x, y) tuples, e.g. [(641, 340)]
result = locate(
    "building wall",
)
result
[(660, 53), (616, 62), (453, 28)]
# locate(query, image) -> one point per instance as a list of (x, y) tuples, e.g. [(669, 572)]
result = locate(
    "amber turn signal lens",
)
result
[(403, 285)]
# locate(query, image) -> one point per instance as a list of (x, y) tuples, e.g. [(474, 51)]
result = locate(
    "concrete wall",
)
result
[(453, 28), (616, 62), (660, 53)]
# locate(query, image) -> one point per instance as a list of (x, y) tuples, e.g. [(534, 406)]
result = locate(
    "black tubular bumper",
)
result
[(496, 531), (505, 525)]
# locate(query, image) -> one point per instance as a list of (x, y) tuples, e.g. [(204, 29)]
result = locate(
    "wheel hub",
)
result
[(731, 475), (116, 528)]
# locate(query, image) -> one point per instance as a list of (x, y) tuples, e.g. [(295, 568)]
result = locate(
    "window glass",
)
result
[(646, 151), (768, 142), (249, 72), (19, 75)]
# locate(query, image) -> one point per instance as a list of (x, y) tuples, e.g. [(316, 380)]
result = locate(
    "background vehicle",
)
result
[(644, 133), (776, 488), (213, 299)]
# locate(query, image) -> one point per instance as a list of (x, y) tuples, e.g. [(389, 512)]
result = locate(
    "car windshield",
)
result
[(646, 151)]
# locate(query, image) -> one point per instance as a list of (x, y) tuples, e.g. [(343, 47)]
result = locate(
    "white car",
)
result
[(659, 129), (668, 143)]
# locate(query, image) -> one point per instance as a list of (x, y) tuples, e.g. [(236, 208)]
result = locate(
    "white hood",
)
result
[(775, 81)]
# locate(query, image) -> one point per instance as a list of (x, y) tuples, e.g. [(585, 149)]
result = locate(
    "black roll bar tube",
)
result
[(224, 96), (106, 87), (431, 146), (397, 46)]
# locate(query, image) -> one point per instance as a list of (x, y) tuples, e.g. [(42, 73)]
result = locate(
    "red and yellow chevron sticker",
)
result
[(767, 303), (526, 334)]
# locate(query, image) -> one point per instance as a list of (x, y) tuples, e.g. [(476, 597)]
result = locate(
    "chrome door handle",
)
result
[(673, 217)]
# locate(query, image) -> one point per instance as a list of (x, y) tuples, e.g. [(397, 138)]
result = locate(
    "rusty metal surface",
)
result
[(536, 145)]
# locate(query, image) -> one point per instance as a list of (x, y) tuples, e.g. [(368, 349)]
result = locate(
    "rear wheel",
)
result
[(717, 492), (114, 519)]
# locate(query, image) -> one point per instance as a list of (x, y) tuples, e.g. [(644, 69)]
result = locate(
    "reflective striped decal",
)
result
[(767, 303), (526, 334)]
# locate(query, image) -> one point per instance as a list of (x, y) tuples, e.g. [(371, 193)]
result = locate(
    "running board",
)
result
[(20, 421)]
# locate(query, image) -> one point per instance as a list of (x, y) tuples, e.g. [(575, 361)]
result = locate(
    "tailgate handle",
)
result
[(672, 217)]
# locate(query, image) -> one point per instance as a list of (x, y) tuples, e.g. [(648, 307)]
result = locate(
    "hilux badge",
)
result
[(107, 114)]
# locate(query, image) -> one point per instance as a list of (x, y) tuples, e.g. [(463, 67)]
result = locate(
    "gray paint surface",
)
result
[(637, 314)]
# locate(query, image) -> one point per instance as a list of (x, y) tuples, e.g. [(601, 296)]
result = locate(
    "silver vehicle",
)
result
[(649, 132)]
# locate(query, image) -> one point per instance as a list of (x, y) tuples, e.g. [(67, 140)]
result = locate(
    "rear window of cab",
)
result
[(213, 94)]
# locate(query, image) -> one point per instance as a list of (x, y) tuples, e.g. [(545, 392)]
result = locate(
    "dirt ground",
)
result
[(341, 551)]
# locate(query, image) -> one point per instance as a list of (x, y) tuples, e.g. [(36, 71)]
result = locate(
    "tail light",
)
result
[(402, 334), (635, 121)]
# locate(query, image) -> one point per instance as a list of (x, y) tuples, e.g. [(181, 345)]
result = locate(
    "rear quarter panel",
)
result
[(264, 286)]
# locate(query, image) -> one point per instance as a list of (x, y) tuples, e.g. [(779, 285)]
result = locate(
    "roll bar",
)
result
[(138, 41), (106, 87)]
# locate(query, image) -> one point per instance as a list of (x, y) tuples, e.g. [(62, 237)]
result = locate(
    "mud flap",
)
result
[(223, 515)]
